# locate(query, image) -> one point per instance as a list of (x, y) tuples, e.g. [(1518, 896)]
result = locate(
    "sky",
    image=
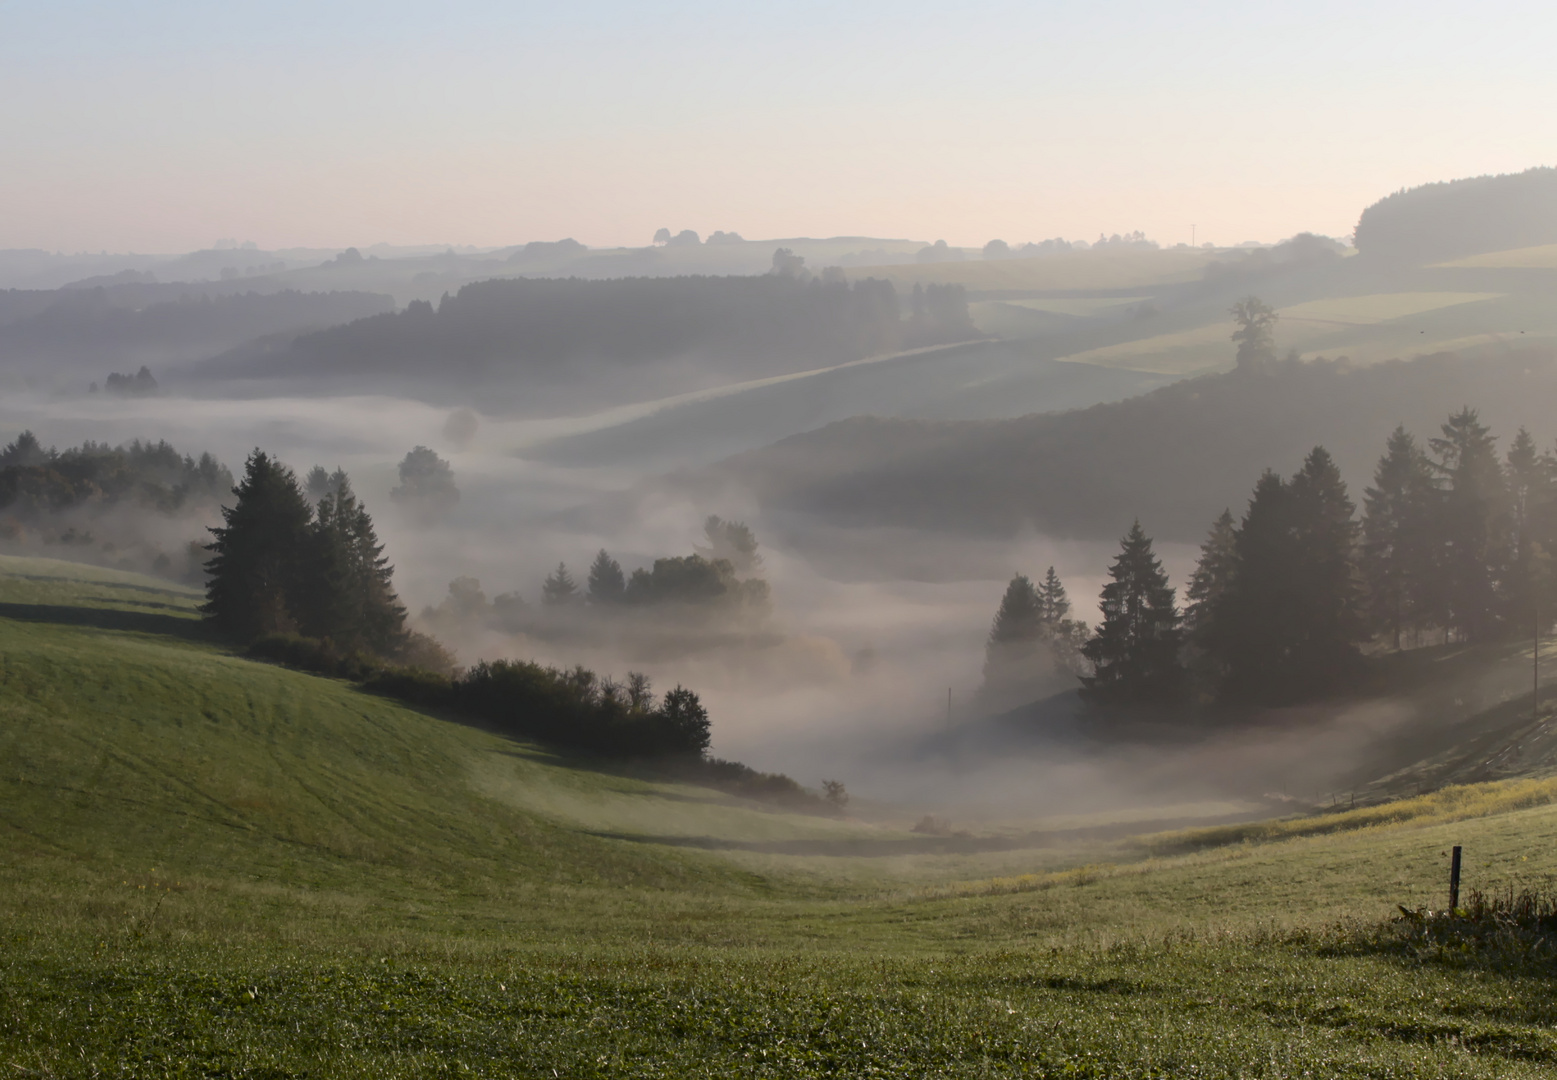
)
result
[(162, 126)]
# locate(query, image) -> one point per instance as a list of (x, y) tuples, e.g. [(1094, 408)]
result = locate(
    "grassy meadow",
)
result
[(215, 867)]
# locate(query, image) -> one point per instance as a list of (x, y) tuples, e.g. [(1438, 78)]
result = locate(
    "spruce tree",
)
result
[(1288, 623), (1472, 522), (559, 589), (1135, 652), (1053, 603), (1397, 555), (1020, 616), (1329, 617), (1253, 629), (1527, 583), (607, 585), (1208, 587), (381, 617), (350, 598), (1213, 574), (254, 574), (1018, 666)]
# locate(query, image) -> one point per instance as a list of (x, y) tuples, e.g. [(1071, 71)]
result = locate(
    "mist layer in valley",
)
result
[(900, 435)]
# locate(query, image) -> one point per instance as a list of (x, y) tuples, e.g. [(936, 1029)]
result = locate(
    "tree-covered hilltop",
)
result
[(105, 329), (1462, 217), (641, 335)]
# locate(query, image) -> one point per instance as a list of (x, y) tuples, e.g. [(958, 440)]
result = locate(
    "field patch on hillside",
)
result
[(1540, 257), (1319, 324)]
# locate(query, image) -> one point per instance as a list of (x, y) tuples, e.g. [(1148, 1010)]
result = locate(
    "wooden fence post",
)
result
[(1454, 880)]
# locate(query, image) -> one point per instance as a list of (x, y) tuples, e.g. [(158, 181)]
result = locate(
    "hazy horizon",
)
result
[(161, 127)]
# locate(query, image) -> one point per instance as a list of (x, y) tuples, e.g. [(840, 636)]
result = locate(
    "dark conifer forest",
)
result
[(1453, 545)]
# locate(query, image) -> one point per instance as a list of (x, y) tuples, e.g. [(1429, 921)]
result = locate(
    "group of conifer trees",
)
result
[(1453, 544), (279, 566)]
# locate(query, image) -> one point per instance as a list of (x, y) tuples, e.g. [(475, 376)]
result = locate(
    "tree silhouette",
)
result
[(606, 581), (257, 555), (1135, 652), (426, 483), (1255, 335), (1397, 554), (1472, 518)]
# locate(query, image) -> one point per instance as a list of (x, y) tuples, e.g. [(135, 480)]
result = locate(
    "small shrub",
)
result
[(319, 655)]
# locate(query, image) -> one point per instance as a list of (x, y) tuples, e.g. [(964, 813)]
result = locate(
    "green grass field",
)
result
[(219, 868)]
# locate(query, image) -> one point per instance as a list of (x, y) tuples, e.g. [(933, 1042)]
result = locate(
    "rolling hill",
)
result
[(1174, 458), (219, 867)]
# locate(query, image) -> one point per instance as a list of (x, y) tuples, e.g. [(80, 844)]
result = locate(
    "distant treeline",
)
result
[(35, 480), (1462, 217), (94, 326), (122, 506), (707, 585), (664, 334), (1455, 543)]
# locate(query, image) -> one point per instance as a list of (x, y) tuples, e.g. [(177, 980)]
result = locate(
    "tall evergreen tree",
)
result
[(1208, 587), (254, 574), (1253, 636), (1472, 526), (380, 626), (607, 584), (1397, 555), (1288, 623), (1053, 603), (1329, 616), (1135, 652), (1020, 615), (1030, 651), (559, 589), (1530, 487), (1212, 577)]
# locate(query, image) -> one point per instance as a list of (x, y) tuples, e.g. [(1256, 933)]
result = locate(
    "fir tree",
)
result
[(254, 575), (1053, 603), (606, 581), (1252, 636), (1530, 503), (559, 588), (1288, 622), (1329, 621), (1135, 652), (1472, 519), (1208, 587), (1028, 653), (1020, 616), (1397, 556)]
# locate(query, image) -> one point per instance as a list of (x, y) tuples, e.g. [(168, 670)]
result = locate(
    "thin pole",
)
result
[(1535, 675), (1454, 879)]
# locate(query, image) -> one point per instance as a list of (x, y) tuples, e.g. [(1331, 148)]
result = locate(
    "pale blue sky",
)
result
[(161, 126)]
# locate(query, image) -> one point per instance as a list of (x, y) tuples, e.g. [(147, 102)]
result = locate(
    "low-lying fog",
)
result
[(868, 633)]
